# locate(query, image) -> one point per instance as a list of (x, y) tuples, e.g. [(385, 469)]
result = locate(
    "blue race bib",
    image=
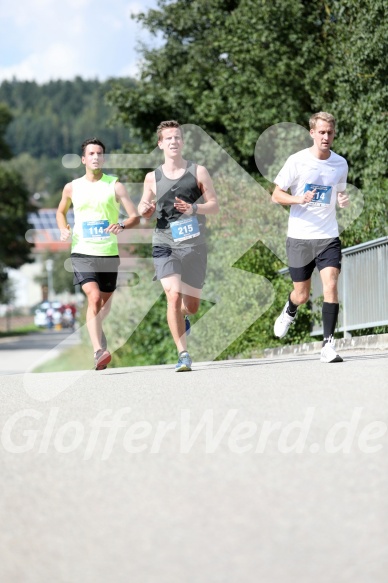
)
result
[(322, 196), (185, 229), (94, 230)]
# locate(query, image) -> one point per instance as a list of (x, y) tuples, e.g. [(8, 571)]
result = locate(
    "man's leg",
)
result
[(107, 298), (330, 308), (191, 299), (98, 308), (299, 295), (172, 286), (301, 264)]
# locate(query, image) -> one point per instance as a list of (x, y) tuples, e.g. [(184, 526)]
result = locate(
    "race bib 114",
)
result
[(322, 194), (95, 230)]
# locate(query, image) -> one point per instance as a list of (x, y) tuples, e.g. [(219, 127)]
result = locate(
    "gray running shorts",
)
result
[(306, 254), (188, 262)]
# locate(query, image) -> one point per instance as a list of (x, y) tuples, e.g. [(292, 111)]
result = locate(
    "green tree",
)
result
[(231, 67), (44, 177), (14, 209), (7, 288), (235, 68), (5, 120), (357, 92)]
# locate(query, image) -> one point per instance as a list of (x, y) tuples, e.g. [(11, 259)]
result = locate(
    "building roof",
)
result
[(45, 233)]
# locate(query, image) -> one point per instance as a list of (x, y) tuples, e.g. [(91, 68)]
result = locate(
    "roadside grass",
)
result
[(75, 358), (21, 331)]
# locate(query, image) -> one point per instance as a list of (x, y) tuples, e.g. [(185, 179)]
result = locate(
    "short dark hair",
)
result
[(164, 125), (94, 141)]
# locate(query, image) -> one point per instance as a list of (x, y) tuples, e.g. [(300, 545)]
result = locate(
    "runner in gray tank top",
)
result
[(181, 193)]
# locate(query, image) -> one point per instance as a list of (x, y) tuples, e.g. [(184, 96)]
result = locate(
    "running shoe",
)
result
[(328, 353), (188, 325), (184, 363), (283, 322), (101, 359)]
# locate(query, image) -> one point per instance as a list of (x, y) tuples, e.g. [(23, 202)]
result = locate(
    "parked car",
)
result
[(40, 318), (48, 314)]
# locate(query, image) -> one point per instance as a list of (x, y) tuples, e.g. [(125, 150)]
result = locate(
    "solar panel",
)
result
[(45, 233)]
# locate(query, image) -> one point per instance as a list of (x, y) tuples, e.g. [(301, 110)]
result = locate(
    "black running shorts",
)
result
[(188, 262), (306, 254), (101, 269)]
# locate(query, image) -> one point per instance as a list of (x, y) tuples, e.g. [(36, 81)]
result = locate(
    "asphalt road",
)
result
[(20, 354), (241, 471)]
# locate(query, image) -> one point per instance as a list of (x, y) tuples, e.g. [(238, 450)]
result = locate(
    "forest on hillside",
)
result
[(51, 120), (54, 118)]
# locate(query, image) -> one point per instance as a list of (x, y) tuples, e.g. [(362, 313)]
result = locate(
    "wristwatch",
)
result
[(194, 207), (121, 225)]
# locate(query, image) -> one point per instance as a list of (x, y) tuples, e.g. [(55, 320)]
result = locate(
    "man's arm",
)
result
[(210, 206), (280, 196), (147, 205), (133, 219), (63, 207)]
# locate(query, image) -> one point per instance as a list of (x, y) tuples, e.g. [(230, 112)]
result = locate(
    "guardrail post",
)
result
[(344, 295)]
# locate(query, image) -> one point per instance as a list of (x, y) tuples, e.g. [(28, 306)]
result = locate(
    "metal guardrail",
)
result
[(362, 288)]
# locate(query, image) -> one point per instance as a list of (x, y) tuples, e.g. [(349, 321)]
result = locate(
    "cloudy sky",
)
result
[(43, 40)]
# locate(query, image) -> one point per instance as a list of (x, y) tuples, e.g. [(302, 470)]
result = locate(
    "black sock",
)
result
[(291, 307), (329, 319)]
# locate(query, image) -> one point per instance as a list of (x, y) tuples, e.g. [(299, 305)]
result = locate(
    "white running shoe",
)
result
[(328, 353), (184, 362), (283, 322)]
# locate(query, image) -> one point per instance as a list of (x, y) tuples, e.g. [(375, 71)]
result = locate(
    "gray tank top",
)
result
[(185, 188)]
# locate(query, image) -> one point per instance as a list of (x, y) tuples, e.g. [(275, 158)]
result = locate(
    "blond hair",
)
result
[(323, 116)]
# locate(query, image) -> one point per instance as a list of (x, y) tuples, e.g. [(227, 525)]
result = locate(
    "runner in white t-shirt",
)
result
[(316, 178)]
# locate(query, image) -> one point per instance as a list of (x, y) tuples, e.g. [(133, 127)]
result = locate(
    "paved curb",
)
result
[(375, 342), (9, 339)]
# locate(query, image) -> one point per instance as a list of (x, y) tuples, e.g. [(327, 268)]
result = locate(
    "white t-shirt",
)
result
[(303, 171)]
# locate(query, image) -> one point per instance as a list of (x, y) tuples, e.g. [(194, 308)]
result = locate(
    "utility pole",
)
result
[(49, 268)]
